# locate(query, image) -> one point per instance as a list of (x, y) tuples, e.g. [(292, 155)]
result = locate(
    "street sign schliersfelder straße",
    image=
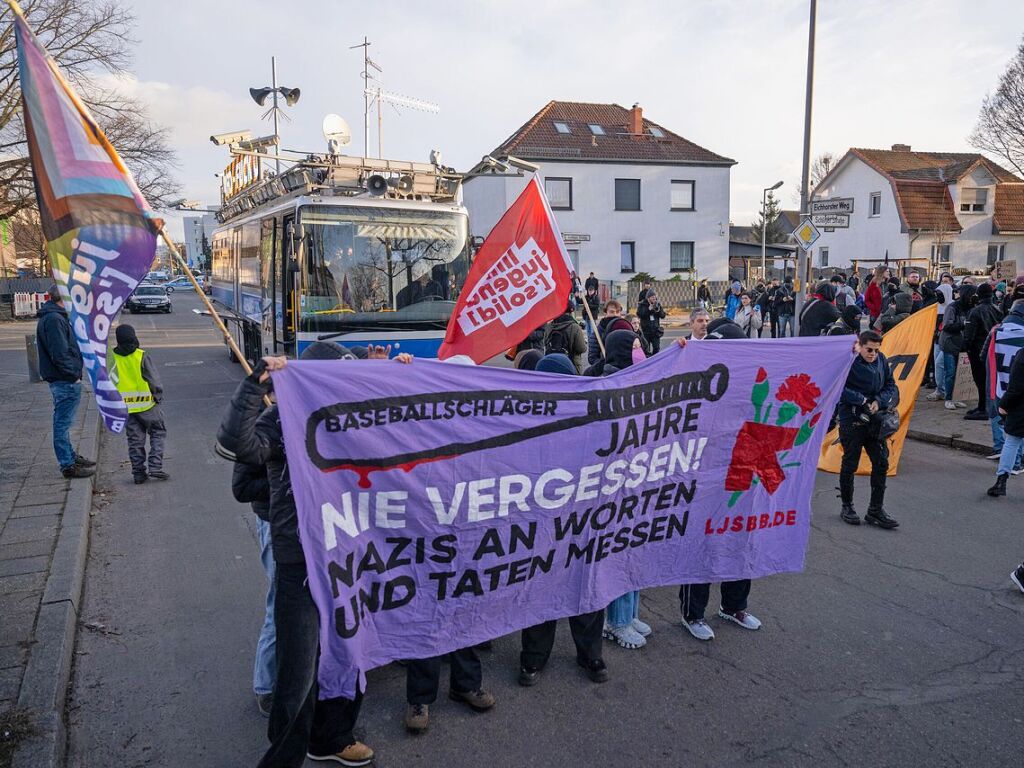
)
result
[(831, 220)]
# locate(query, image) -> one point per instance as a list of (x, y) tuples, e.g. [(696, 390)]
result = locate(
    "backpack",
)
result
[(557, 341)]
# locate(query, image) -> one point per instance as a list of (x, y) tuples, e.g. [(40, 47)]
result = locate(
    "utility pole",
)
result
[(365, 45), (803, 269), (277, 144)]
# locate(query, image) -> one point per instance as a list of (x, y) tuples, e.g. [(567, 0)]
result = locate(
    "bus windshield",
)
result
[(364, 263)]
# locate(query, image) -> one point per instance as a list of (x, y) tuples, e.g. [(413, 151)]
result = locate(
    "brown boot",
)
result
[(480, 700), (417, 718), (356, 754)]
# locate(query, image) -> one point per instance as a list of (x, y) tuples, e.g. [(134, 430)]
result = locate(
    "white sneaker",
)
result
[(994, 456), (936, 395), (744, 619), (960, 404), (950, 405), (642, 627), (627, 637), (1017, 471), (699, 629)]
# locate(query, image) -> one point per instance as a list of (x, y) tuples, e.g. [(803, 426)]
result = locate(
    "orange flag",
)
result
[(906, 348)]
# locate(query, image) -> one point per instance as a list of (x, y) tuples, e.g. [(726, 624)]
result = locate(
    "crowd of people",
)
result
[(986, 321)]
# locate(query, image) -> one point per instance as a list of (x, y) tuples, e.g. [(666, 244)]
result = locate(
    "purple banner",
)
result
[(442, 505)]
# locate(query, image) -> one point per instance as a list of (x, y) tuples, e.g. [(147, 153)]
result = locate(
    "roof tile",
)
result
[(927, 205), (1009, 208)]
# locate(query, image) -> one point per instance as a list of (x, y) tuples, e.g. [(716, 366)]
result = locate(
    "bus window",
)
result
[(285, 278), (249, 263)]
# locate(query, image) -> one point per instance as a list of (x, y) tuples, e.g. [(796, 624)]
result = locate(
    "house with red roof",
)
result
[(929, 211), (629, 195)]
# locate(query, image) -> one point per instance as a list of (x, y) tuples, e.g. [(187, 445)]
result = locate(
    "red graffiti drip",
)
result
[(364, 472)]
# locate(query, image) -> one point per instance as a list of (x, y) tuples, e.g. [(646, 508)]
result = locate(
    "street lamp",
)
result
[(291, 97), (764, 226)]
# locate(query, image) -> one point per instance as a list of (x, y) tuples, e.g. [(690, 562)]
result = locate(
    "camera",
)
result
[(863, 414)]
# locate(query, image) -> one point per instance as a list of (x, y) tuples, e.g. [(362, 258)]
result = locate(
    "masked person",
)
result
[(848, 323), (693, 598), (136, 379), (820, 312), (301, 724), (870, 391)]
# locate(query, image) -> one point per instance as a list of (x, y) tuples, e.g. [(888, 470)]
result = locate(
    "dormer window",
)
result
[(973, 200), (562, 127), (656, 132), (596, 129)]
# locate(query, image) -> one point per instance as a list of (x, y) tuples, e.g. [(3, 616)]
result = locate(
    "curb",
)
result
[(954, 441), (45, 684)]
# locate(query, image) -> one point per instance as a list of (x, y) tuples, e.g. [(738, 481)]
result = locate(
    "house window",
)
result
[(627, 194), (562, 127), (995, 252), (656, 132), (875, 206), (972, 200), (682, 195), (574, 257), (627, 251), (943, 251), (680, 256), (559, 192), (823, 257), (596, 129)]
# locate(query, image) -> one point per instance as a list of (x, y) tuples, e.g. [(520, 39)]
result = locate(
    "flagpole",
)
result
[(586, 308)]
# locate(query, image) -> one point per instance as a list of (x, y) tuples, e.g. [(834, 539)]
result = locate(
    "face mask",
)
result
[(638, 355)]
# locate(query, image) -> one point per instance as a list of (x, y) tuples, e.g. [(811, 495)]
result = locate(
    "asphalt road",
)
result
[(892, 648)]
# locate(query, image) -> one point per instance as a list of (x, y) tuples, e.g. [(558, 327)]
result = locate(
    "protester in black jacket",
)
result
[(869, 392), (60, 365), (820, 312), (651, 313), (848, 323), (300, 722), (1011, 408), (980, 321), (951, 340)]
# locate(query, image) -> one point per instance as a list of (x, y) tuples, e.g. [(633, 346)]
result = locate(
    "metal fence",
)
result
[(677, 294)]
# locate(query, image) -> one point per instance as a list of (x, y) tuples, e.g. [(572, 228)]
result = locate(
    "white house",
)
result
[(629, 195), (929, 210)]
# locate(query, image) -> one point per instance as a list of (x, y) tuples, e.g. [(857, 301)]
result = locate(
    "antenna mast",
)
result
[(367, 63)]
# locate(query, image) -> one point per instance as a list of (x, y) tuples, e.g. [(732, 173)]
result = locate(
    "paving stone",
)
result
[(29, 529), (12, 656), (17, 624), (37, 510), (27, 549), (23, 565), (24, 582), (10, 682)]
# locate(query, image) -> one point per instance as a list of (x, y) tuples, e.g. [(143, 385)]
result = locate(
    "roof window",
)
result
[(562, 127), (596, 129), (656, 132)]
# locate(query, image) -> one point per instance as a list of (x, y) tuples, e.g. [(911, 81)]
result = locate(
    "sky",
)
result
[(726, 74)]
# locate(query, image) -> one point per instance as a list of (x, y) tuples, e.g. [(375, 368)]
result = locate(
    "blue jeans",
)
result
[(264, 673), (1010, 457), (940, 370), (784, 322), (624, 609), (66, 395), (949, 361)]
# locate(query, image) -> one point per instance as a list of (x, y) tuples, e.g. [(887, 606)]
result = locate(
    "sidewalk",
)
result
[(932, 423), (44, 524)]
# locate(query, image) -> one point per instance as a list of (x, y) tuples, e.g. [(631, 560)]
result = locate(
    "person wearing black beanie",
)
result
[(820, 312), (135, 377), (981, 319)]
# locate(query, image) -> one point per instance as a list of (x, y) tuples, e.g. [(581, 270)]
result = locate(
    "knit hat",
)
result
[(724, 328), (326, 350), (985, 292), (618, 348), (556, 362), (527, 360), (127, 341), (619, 324)]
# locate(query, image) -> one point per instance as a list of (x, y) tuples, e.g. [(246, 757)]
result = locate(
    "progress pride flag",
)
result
[(521, 277), (443, 505)]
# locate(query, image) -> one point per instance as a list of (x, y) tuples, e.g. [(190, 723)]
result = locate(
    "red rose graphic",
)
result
[(799, 389)]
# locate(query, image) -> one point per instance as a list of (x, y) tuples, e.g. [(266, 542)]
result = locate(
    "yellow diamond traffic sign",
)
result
[(805, 234)]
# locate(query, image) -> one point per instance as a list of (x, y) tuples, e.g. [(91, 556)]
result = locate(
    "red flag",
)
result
[(521, 278)]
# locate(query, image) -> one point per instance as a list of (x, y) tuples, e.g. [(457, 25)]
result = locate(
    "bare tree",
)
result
[(820, 167), (1000, 127), (86, 39)]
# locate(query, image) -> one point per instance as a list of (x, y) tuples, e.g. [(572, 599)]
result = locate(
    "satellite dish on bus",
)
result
[(337, 133)]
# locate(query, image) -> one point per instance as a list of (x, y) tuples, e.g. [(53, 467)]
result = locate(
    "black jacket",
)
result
[(783, 302), (256, 438), (980, 320), (650, 318), (591, 283), (866, 382), (59, 356), (816, 316), (1013, 399)]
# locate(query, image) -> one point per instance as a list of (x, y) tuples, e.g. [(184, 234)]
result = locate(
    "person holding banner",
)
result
[(868, 397), (60, 366), (423, 676)]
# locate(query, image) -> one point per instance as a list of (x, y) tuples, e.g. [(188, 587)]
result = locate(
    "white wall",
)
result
[(867, 237), (652, 228)]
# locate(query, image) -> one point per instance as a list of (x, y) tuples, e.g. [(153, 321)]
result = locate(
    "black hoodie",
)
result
[(951, 340), (59, 356), (820, 312), (127, 343)]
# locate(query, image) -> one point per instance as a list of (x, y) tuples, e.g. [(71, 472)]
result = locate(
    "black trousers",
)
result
[(855, 437), (693, 598), (423, 676), (299, 721), (539, 640), (979, 374)]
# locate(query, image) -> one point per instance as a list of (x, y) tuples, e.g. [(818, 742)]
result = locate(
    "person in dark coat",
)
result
[(591, 283), (586, 629), (783, 308), (651, 313), (848, 323), (300, 722), (60, 366), (564, 335), (612, 321), (820, 312), (1011, 408), (951, 340), (870, 390), (901, 308), (982, 318)]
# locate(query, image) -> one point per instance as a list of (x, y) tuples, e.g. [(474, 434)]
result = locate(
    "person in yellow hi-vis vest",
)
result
[(139, 385)]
